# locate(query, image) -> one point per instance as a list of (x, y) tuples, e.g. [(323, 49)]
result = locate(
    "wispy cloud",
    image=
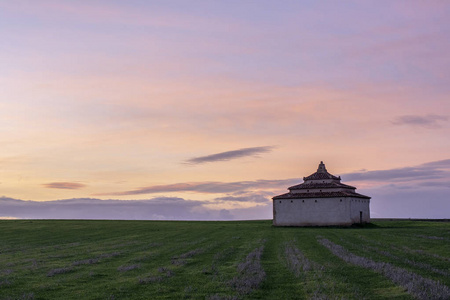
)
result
[(208, 187), (229, 155), (64, 185), (436, 170), (428, 121), (427, 171)]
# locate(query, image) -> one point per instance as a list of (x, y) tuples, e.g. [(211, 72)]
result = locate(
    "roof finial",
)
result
[(321, 167)]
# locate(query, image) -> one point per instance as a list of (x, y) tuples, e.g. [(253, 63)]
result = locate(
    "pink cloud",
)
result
[(427, 121), (64, 185), (207, 187)]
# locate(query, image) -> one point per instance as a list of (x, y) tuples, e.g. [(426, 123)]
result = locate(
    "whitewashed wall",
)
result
[(312, 212), (343, 211), (356, 206)]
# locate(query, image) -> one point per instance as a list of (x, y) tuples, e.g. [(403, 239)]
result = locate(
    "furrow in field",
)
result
[(414, 255), (89, 261), (99, 258), (404, 248), (162, 273), (250, 275), (219, 258), (180, 260), (302, 267), (220, 271), (177, 261), (373, 249), (318, 284), (408, 238), (431, 237), (416, 285), (421, 252)]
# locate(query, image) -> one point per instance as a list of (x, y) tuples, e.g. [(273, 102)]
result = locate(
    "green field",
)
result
[(222, 260)]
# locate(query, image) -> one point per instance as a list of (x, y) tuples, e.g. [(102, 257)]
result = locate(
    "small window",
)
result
[(320, 190), (280, 201), (303, 201), (341, 200), (315, 201), (291, 201), (307, 190)]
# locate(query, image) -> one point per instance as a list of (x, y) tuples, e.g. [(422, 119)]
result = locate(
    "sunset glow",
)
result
[(221, 105)]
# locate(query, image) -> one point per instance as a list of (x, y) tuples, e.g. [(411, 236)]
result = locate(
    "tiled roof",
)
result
[(321, 175), (304, 186), (320, 195)]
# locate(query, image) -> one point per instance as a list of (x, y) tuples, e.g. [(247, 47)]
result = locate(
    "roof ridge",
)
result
[(307, 185), (320, 195)]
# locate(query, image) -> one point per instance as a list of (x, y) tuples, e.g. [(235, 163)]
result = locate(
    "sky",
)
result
[(205, 110)]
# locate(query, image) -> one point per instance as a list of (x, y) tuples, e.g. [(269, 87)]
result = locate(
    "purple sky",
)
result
[(207, 109)]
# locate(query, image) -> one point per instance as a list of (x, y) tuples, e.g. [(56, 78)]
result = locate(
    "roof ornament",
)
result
[(321, 168)]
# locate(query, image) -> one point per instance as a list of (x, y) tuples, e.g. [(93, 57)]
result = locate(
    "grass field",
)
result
[(222, 260)]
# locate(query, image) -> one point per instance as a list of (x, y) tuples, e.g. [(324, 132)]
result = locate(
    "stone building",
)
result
[(321, 200)]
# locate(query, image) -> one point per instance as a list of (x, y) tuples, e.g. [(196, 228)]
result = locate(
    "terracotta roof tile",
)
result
[(320, 195), (321, 175), (304, 186)]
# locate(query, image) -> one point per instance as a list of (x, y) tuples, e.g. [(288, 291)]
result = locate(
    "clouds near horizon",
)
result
[(207, 187), (436, 170), (431, 171), (160, 208), (423, 189)]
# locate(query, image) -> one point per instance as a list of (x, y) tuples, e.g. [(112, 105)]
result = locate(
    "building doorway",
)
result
[(360, 217)]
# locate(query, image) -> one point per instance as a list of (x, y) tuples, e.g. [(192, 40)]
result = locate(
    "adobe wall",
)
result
[(312, 212), (358, 205)]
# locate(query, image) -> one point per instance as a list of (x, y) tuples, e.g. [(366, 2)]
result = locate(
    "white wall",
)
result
[(358, 205), (326, 211), (308, 212)]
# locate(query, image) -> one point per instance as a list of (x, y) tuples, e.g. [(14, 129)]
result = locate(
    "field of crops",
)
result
[(222, 260)]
